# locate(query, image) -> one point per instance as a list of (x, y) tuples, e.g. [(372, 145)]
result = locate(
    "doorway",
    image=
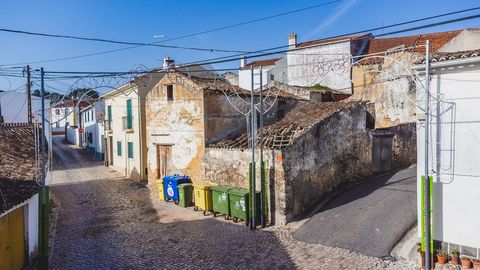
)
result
[(110, 151), (382, 153), (164, 160)]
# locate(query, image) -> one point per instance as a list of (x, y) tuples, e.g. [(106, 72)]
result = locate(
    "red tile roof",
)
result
[(328, 40), (437, 40)]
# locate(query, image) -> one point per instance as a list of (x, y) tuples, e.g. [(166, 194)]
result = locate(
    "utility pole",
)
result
[(29, 96), (426, 194), (44, 233), (253, 112), (262, 167)]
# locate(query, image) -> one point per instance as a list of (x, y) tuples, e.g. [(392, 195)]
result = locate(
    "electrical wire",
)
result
[(175, 38)]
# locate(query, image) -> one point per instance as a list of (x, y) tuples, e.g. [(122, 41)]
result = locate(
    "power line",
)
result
[(138, 44)]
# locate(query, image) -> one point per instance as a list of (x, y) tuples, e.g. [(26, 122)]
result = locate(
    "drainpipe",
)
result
[(426, 194)]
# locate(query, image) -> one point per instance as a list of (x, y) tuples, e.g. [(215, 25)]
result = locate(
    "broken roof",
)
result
[(295, 123)]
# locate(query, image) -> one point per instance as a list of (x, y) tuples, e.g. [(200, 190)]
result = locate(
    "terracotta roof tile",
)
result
[(72, 103), (295, 123), (17, 152), (15, 192), (442, 56), (328, 40)]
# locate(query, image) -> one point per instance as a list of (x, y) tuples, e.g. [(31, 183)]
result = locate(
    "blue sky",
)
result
[(139, 21)]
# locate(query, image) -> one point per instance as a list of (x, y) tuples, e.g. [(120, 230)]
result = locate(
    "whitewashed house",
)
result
[(93, 126), (272, 69), (453, 150)]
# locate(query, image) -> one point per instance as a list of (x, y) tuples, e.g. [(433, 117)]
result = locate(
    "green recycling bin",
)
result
[(240, 205), (220, 202), (185, 194)]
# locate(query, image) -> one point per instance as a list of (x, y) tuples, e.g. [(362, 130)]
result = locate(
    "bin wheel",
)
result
[(235, 219), (204, 212), (247, 223), (227, 217), (195, 208), (176, 202), (215, 214)]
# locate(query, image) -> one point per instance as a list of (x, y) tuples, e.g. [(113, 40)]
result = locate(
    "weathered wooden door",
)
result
[(164, 160), (12, 241), (382, 153), (110, 151)]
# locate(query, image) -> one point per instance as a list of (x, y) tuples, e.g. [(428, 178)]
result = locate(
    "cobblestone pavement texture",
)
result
[(105, 221)]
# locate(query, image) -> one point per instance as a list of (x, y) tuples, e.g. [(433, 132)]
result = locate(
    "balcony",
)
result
[(127, 123)]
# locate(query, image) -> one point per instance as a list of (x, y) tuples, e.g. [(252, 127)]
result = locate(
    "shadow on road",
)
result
[(369, 218)]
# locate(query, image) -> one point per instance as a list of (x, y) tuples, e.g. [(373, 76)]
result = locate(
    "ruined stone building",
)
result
[(184, 113)]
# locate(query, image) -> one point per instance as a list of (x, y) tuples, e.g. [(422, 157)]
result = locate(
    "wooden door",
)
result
[(382, 153), (110, 151), (164, 160), (12, 240)]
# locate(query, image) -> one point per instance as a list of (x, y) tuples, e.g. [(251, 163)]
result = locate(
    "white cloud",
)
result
[(333, 18)]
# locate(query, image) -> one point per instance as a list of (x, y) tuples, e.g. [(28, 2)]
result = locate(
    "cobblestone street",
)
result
[(104, 221)]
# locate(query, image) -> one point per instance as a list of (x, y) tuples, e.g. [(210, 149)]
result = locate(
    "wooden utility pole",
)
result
[(29, 96)]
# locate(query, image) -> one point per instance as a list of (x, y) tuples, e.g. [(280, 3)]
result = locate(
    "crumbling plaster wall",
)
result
[(335, 151), (179, 123), (390, 86)]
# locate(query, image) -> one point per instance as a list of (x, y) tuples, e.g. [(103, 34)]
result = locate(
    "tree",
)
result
[(79, 92)]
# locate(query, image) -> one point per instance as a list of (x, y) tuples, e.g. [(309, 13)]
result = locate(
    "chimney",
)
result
[(168, 63), (292, 41), (243, 62)]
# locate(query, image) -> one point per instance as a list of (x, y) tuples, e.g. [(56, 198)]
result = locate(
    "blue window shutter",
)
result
[(130, 149), (129, 114), (119, 148)]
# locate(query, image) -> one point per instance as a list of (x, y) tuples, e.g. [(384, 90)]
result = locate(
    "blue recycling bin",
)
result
[(170, 186)]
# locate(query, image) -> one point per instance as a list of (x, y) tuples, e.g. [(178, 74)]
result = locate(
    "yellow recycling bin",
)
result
[(203, 197), (161, 193)]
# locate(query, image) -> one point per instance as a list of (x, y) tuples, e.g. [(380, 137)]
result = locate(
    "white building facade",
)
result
[(93, 136), (453, 149)]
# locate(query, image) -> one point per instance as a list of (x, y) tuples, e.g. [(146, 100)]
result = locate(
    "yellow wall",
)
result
[(12, 241)]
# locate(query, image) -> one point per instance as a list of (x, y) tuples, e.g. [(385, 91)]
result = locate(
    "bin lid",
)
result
[(202, 185), (222, 188), (176, 178), (239, 191), (185, 185)]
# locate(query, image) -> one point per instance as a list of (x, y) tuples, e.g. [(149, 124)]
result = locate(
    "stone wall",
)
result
[(335, 151), (231, 167)]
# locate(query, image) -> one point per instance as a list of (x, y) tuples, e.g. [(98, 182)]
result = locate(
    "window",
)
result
[(272, 77), (57, 111), (109, 112), (91, 117), (170, 92), (119, 148), (66, 110), (130, 149), (57, 124), (129, 114)]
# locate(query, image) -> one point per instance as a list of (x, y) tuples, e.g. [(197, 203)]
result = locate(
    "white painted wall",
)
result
[(454, 152), (32, 224), (72, 135), (326, 65), (90, 123), (61, 116)]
